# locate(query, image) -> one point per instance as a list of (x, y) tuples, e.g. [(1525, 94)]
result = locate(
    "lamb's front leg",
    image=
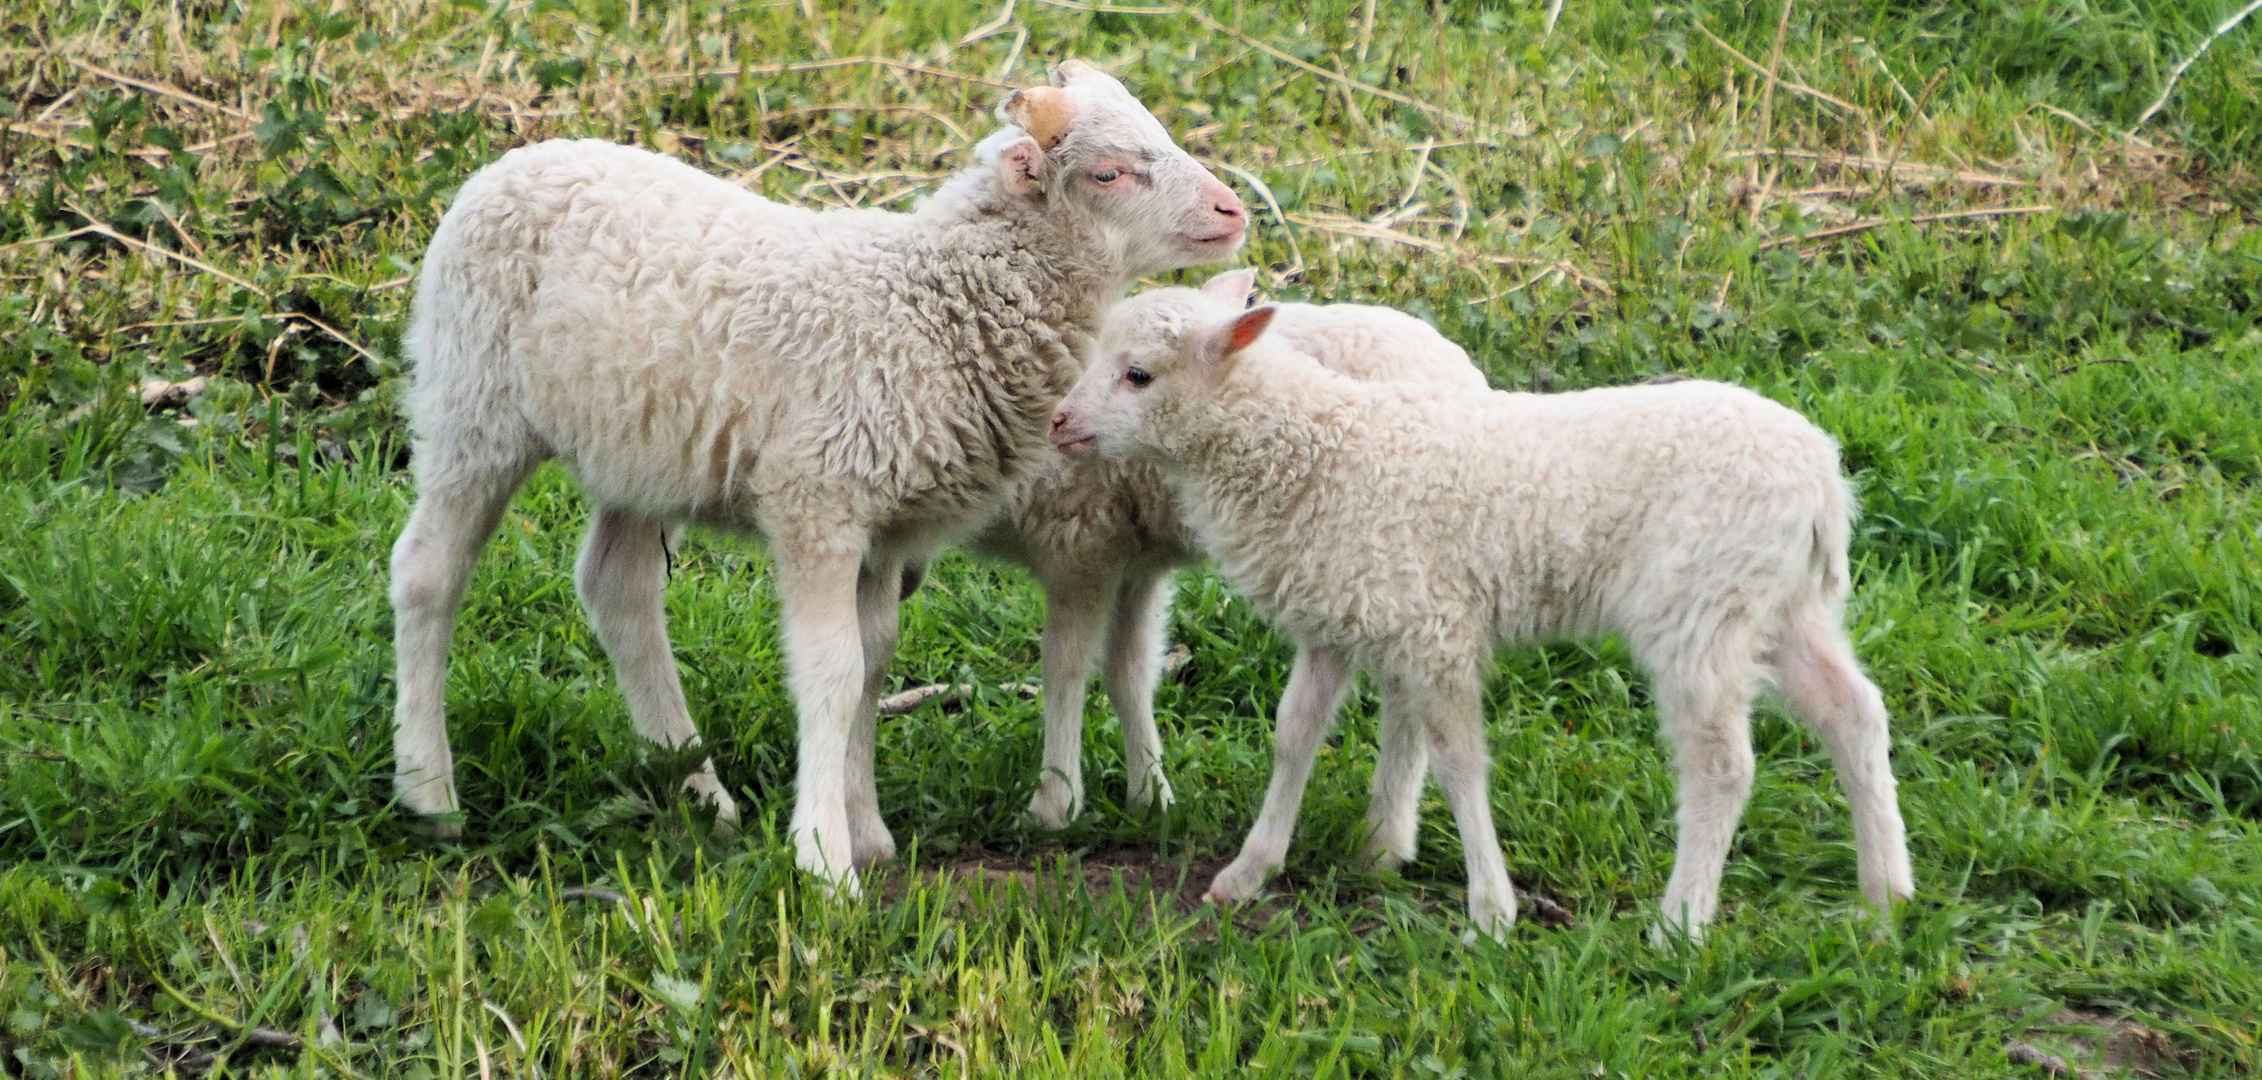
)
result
[(1453, 712), (1076, 607), (1307, 708), (878, 593), (824, 657)]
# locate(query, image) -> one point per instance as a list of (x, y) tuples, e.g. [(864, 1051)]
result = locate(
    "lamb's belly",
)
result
[(666, 455)]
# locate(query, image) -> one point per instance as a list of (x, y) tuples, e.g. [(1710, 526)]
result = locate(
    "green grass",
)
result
[(2055, 419)]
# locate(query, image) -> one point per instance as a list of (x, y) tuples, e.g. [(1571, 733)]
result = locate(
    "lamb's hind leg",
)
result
[(1134, 664), (622, 578), (879, 591), (1704, 700), (459, 500), (1401, 765), (1453, 714), (1823, 683)]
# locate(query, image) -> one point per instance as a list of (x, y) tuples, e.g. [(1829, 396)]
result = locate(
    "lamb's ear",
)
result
[(1072, 70), (1231, 287), (1020, 165), (1224, 344), (1042, 111)]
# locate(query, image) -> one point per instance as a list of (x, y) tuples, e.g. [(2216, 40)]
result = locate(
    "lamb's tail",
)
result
[(470, 296), (1833, 532)]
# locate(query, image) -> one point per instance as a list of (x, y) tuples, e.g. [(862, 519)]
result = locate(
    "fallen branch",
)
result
[(897, 704), (1920, 219), (2169, 87), (904, 701)]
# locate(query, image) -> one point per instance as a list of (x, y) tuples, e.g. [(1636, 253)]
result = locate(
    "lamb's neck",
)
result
[(1082, 272), (1258, 460)]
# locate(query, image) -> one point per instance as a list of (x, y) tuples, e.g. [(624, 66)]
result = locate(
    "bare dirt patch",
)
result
[(2093, 1043)]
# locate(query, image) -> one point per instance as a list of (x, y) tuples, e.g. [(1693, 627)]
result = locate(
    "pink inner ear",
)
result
[(1248, 328), (1232, 287), (1023, 155)]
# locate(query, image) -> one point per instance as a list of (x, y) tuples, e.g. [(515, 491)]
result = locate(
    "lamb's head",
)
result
[(1085, 146), (1157, 358)]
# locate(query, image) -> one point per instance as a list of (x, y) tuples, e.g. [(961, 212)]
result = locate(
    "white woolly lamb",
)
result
[(857, 386), (1104, 537), (1407, 530)]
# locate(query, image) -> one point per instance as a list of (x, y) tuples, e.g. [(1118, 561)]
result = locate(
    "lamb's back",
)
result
[(1375, 344), (1436, 518), (688, 347)]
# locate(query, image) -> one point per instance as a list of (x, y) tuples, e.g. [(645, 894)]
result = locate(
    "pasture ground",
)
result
[(1947, 232)]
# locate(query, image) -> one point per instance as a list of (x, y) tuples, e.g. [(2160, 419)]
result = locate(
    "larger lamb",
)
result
[(856, 386), (1407, 529)]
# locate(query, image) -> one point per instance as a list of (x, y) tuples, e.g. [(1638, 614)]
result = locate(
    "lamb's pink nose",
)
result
[(1059, 420), (1225, 202)]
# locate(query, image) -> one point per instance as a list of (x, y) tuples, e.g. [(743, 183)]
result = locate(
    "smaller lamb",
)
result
[(1103, 538), (1407, 529)]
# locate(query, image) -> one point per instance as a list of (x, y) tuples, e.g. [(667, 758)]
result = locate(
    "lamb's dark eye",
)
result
[(1138, 376), (1107, 176)]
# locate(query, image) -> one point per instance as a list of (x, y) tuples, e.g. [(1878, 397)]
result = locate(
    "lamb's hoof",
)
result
[(1682, 919), (835, 876), (1054, 806), (1379, 856), (435, 802), (843, 888), (871, 843), (1667, 932), (1238, 883), (726, 808), (1154, 795), (1489, 918)]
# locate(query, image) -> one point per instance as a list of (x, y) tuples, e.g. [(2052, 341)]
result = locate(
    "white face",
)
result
[(1156, 353), (1094, 148)]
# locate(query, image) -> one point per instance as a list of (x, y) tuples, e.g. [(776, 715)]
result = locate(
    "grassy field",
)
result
[(1947, 232)]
